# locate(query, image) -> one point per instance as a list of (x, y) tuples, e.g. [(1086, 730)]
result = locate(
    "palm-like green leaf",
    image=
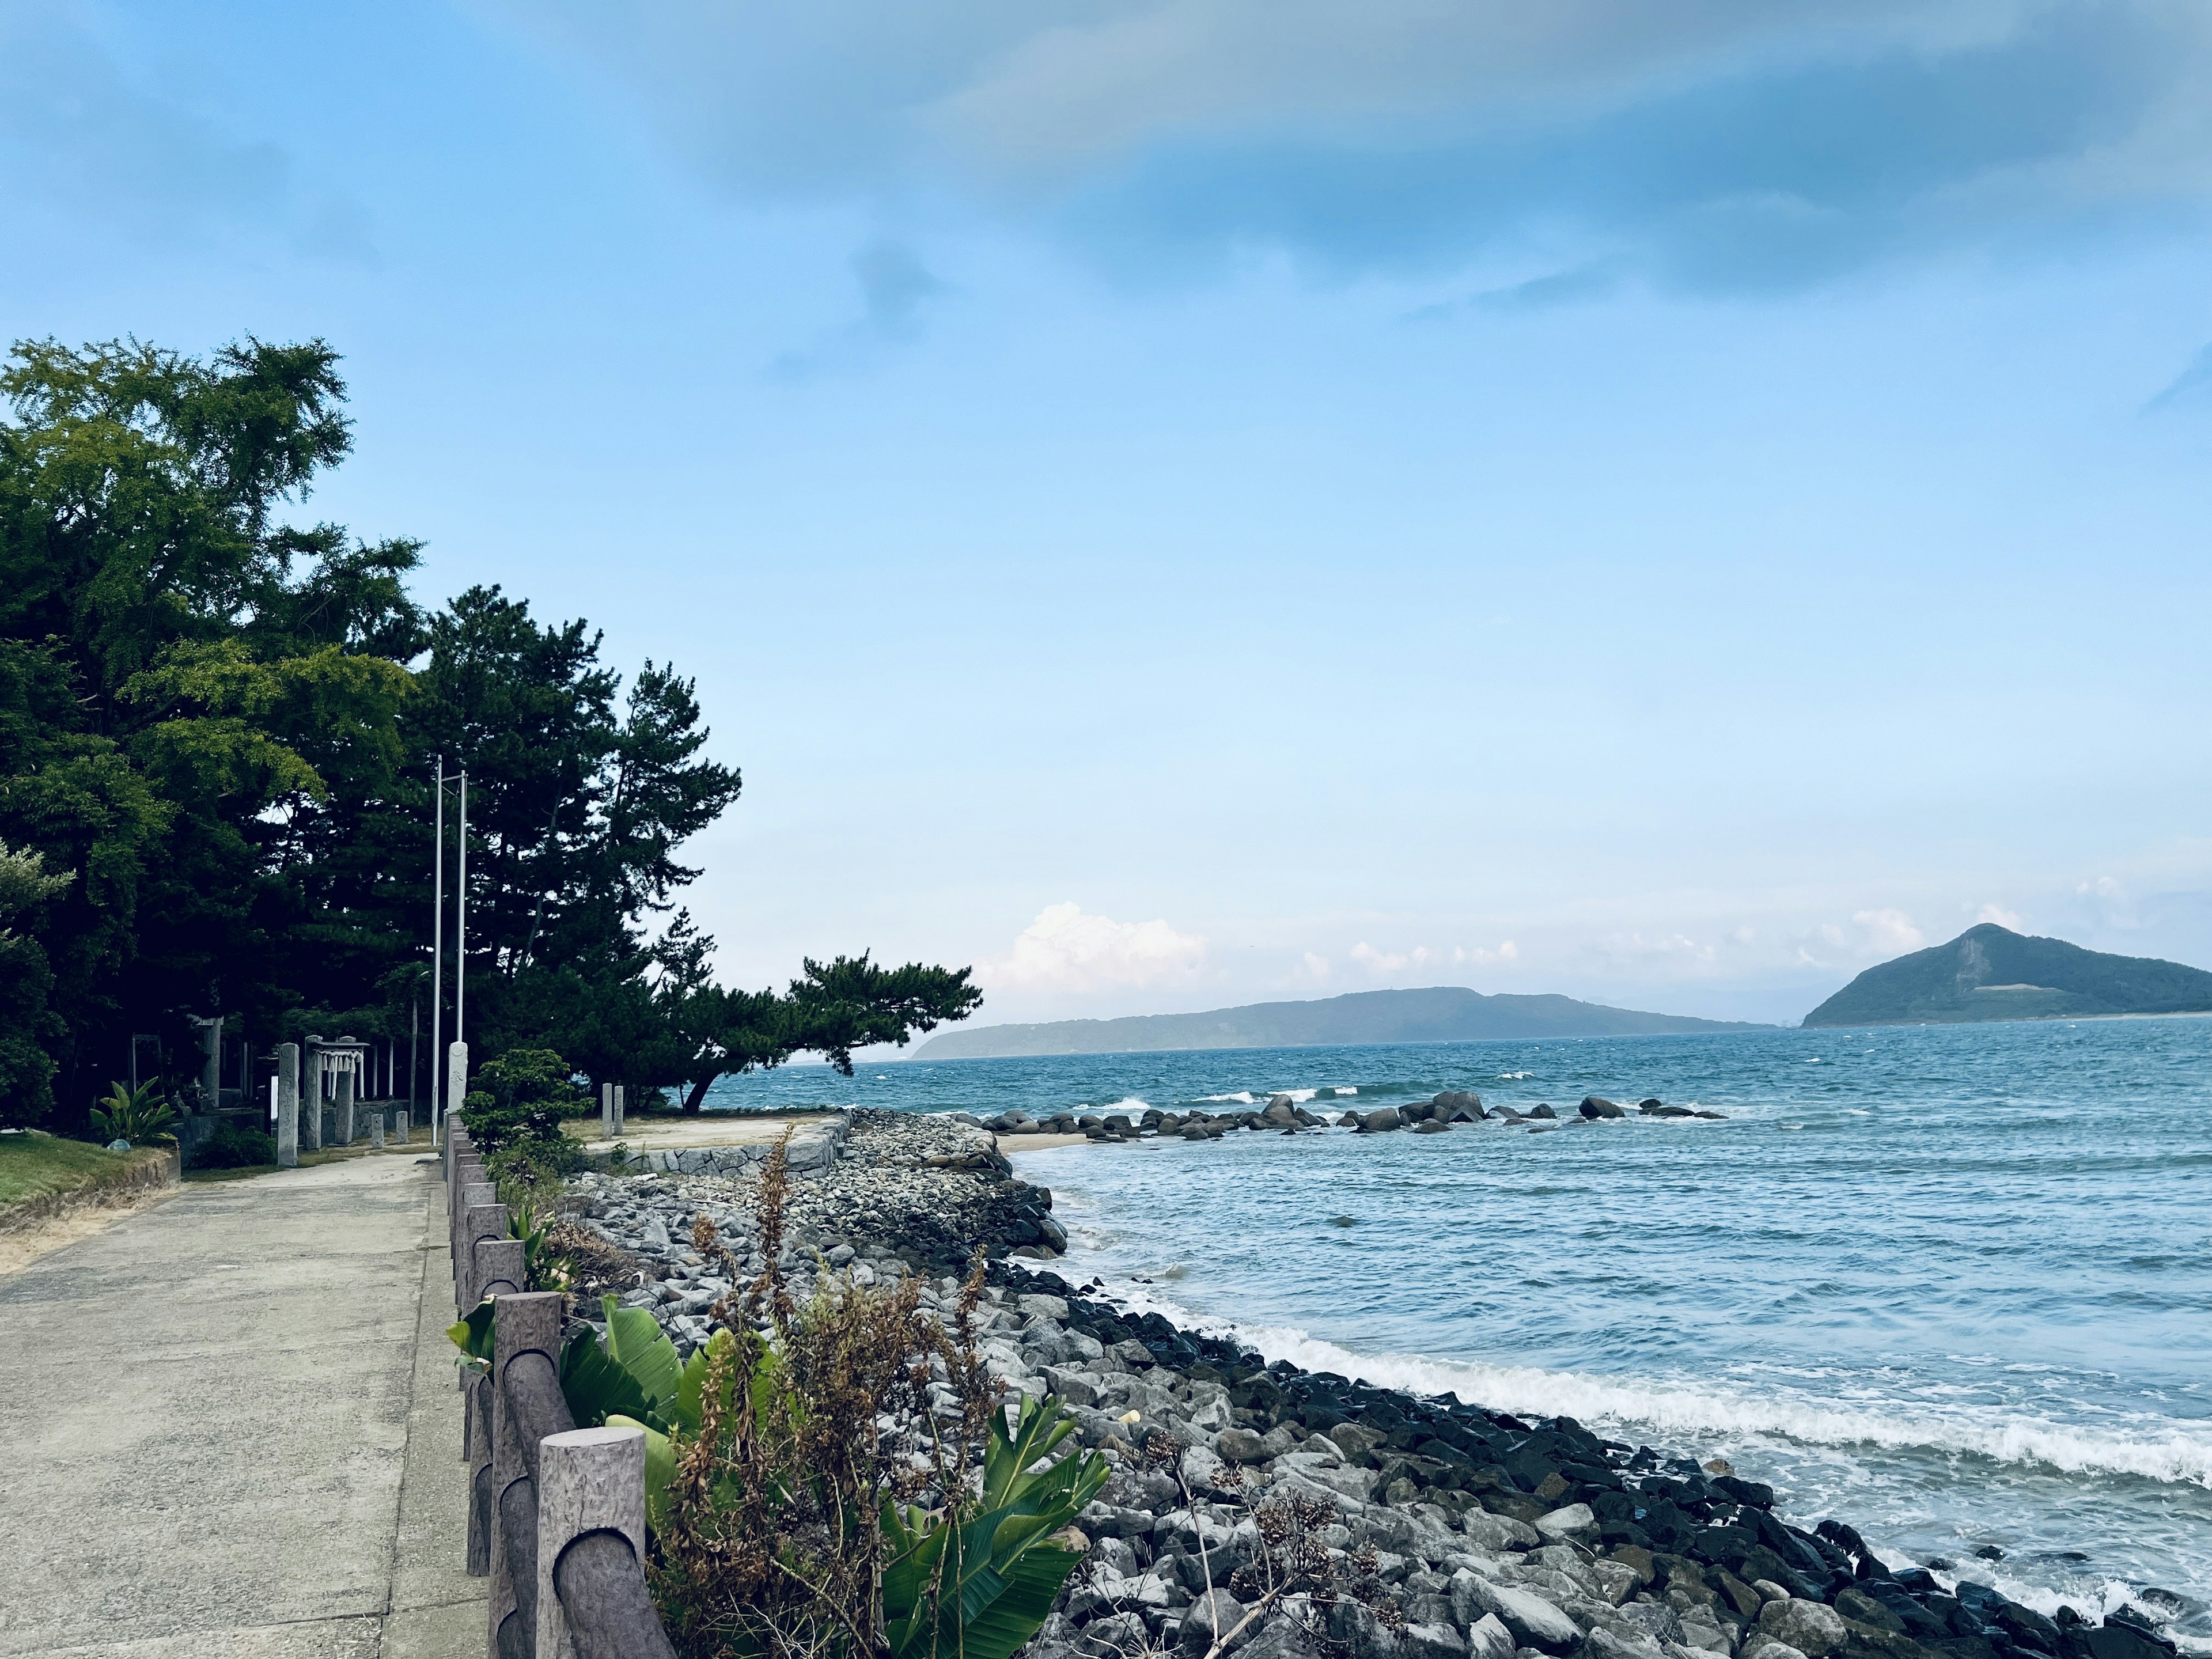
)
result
[(980, 1586), (472, 1335), (597, 1389), (637, 1344)]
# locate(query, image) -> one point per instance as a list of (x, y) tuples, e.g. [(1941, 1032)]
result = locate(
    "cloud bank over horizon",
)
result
[(1719, 147)]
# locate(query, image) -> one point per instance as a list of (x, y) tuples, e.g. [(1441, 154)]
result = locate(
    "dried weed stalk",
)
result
[(1292, 1568)]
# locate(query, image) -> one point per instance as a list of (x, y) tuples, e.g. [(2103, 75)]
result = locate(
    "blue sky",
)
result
[(1181, 504)]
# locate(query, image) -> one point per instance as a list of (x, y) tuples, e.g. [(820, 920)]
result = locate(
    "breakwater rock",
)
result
[(1284, 1116), (1458, 1532)]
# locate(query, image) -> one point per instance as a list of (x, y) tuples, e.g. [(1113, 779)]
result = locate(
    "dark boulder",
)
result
[(1596, 1106), (1377, 1121), (1543, 1111)]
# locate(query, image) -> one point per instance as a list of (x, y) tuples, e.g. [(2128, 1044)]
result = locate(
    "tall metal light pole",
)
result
[(461, 921), (438, 953)]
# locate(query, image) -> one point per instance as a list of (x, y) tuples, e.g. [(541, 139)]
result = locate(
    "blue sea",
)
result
[(1953, 1285)]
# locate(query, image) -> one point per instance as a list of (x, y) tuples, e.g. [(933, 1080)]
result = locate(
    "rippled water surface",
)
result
[(1953, 1283)]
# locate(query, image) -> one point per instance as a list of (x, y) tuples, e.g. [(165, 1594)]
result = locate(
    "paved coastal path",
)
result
[(232, 1429)]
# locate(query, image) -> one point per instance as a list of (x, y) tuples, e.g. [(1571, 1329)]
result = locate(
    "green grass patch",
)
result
[(36, 1166)]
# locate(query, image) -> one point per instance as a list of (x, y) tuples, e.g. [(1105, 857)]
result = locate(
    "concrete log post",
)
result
[(526, 1325), (500, 1268), (345, 1106), (476, 1452), (402, 1120), (618, 1111), (287, 1105), (376, 1131), (469, 1176), (606, 1111), (479, 1222), (588, 1480), (468, 1171)]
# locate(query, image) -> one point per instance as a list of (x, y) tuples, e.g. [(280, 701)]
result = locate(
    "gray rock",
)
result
[(1118, 1554), (1573, 1521), (1376, 1122), (1487, 1639), (655, 1233), (1431, 1126), (1428, 1639), (1111, 1637), (1596, 1106), (1759, 1645), (1355, 1629), (1545, 1112), (1655, 1620), (1616, 1580), (1530, 1618), (1116, 1521), (1497, 1533), (1356, 1440), (1209, 1618), (1606, 1644), (1282, 1637), (1812, 1628), (1240, 1446)]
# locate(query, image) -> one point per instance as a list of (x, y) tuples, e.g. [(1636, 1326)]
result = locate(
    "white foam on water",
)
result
[(1242, 1098), (1129, 1104), (2166, 1454), (1346, 1091), (1514, 1077)]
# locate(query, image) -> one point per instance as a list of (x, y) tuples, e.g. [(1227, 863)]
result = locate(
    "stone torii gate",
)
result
[(340, 1064)]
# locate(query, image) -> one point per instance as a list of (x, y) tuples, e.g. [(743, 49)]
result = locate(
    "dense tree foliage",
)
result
[(217, 725)]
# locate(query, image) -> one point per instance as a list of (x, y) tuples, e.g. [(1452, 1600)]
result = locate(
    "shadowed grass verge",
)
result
[(42, 1173)]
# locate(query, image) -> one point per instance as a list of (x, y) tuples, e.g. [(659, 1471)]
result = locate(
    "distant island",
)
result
[(1441, 1014), (1990, 972)]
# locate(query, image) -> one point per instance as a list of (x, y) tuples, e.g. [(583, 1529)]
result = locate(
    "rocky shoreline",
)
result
[(1470, 1534)]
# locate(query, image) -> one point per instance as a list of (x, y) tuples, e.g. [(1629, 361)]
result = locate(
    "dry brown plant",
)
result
[(812, 1417)]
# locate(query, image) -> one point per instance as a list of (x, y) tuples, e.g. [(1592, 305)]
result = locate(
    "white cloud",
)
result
[(1315, 968), (2003, 917), (1888, 932), (1066, 950), (1387, 962)]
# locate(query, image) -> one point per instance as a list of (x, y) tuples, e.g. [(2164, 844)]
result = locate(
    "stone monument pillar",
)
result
[(287, 1105), (618, 1111), (311, 1098), (606, 1111), (457, 1075), (345, 1080), (211, 1066)]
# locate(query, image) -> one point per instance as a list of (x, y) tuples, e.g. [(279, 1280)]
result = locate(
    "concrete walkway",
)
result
[(232, 1429)]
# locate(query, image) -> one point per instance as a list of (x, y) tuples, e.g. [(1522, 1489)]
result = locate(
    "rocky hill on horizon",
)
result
[(1990, 972), (1436, 1014)]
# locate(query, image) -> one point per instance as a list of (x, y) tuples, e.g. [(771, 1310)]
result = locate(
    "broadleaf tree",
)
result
[(217, 718)]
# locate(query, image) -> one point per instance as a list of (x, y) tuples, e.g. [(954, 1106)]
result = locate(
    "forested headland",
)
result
[(218, 720)]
